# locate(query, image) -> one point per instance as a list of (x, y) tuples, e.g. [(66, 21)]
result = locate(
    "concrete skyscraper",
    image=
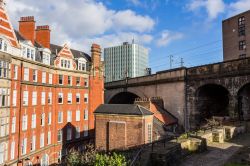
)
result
[(126, 60)]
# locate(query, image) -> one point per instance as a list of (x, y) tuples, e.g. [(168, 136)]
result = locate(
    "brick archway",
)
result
[(211, 100), (123, 98)]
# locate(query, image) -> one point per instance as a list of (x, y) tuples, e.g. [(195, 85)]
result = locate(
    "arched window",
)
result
[(45, 160)]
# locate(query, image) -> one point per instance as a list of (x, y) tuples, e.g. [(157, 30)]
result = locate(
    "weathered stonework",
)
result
[(183, 90)]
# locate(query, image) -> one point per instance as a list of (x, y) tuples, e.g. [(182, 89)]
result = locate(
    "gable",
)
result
[(6, 28), (65, 52)]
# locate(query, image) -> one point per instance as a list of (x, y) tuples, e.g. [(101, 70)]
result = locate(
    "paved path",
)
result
[(217, 154)]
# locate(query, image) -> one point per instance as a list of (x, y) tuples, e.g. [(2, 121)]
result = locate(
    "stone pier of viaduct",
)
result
[(192, 94)]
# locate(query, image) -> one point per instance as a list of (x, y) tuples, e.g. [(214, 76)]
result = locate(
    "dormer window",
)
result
[(82, 65), (28, 52), (46, 58)]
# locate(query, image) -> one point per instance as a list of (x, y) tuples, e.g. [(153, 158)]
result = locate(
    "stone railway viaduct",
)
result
[(192, 94)]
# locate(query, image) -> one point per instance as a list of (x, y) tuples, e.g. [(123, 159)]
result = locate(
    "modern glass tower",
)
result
[(127, 60)]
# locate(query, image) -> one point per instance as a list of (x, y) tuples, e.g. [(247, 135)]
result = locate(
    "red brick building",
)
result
[(236, 36), (122, 126), (52, 92)]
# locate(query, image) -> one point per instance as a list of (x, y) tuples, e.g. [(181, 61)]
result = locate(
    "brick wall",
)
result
[(110, 131)]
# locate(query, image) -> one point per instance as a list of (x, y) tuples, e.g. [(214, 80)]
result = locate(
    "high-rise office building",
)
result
[(236, 36), (126, 60)]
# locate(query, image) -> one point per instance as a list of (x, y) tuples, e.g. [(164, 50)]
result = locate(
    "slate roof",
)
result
[(55, 48), (20, 38), (122, 109), (77, 54)]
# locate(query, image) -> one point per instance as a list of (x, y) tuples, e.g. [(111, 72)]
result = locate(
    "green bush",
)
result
[(91, 158), (110, 160)]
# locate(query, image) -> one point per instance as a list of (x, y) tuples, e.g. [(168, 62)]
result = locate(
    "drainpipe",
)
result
[(19, 113)]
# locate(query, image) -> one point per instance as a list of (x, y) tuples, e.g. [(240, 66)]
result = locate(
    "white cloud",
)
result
[(81, 21), (238, 7), (213, 7), (167, 36), (129, 20), (135, 2), (117, 39)]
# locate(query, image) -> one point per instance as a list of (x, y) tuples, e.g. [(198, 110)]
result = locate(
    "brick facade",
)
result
[(236, 36), (121, 131), (48, 116)]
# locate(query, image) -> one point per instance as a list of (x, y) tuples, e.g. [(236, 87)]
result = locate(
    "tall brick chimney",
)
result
[(27, 28), (96, 55), (96, 84), (43, 35)]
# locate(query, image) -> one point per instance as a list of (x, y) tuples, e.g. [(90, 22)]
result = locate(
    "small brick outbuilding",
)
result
[(122, 126)]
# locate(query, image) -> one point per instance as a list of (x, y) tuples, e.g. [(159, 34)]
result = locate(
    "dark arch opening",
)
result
[(212, 100), (123, 98), (244, 102)]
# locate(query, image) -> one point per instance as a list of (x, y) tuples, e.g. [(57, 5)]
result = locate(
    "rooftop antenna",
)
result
[(133, 40)]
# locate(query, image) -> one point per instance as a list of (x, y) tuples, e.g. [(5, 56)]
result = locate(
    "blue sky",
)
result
[(188, 29)]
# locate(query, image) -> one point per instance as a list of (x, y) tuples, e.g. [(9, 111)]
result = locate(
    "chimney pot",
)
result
[(27, 18), (43, 35), (27, 28), (43, 27)]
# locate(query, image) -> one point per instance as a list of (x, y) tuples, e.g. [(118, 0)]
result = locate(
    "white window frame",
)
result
[(49, 138), (33, 143), (60, 95), (13, 124), (78, 115), (24, 146), (50, 78), (25, 98), (43, 119), (60, 117), (24, 122), (86, 98), (49, 118), (12, 150), (15, 72), (33, 121), (41, 140), (86, 114), (86, 82), (34, 98), (69, 101), (44, 77), (26, 74), (59, 79), (34, 73), (69, 116), (43, 98), (50, 98), (69, 79), (59, 135), (14, 98), (78, 95)]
